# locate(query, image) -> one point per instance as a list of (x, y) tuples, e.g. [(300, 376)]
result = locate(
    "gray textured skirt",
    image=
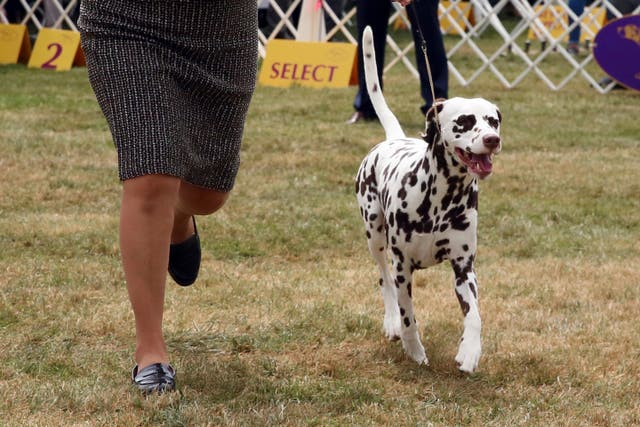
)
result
[(174, 79)]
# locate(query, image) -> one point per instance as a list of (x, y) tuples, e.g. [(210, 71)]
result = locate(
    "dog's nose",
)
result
[(492, 142)]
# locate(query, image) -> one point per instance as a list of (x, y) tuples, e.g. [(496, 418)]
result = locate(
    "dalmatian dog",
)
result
[(419, 202)]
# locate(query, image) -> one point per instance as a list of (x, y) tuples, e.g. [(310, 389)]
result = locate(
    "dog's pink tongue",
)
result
[(484, 161)]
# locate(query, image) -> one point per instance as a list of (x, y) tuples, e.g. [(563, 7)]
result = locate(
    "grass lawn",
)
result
[(284, 325)]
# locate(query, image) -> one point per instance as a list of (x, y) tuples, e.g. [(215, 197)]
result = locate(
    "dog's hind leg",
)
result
[(410, 334), (466, 287), (377, 241)]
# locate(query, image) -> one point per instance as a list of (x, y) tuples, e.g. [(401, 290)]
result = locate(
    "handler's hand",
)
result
[(403, 2)]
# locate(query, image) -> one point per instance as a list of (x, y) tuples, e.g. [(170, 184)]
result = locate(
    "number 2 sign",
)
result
[(56, 50)]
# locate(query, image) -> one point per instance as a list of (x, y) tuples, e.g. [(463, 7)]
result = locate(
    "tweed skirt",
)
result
[(174, 79)]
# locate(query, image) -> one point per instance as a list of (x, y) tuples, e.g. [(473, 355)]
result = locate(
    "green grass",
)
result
[(284, 324)]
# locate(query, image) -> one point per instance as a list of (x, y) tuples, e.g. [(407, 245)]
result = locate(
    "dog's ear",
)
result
[(437, 106), (432, 128)]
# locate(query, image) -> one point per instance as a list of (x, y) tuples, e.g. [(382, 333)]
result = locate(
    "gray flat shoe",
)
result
[(157, 378)]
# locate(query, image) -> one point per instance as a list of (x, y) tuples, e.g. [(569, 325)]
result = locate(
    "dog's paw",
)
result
[(414, 349), (469, 354), (392, 327)]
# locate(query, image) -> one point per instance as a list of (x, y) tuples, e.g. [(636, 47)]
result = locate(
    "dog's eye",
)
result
[(493, 122)]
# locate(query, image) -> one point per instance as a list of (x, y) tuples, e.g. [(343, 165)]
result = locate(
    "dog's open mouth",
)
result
[(479, 164)]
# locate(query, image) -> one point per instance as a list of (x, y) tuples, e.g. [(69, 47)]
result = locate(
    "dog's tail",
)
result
[(387, 118)]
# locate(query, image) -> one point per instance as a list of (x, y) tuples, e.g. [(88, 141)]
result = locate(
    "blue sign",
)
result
[(617, 50)]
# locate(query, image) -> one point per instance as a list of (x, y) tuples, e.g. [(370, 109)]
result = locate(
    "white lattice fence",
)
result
[(40, 13), (502, 48)]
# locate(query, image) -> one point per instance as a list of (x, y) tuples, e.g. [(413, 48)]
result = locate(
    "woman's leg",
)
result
[(193, 200), (155, 209)]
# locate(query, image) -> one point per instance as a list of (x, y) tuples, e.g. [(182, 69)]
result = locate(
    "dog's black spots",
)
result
[(443, 227), (461, 270), (381, 282), (472, 201), (391, 220), (374, 88), (416, 265), (463, 304), (401, 279), (493, 122), (407, 322), (393, 240), (381, 248), (407, 226), (399, 268), (402, 194), (442, 254), (466, 122), (423, 187), (404, 205), (373, 217), (409, 289), (367, 182), (446, 201), (402, 218), (369, 198), (398, 253), (472, 288), (465, 248), (368, 234), (457, 218), (499, 116), (402, 311), (442, 242), (379, 229), (440, 155), (426, 225)]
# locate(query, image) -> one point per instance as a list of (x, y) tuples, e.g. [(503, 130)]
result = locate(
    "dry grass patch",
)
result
[(284, 324)]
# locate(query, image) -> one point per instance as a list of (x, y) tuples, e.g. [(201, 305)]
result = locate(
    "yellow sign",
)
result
[(457, 11), (309, 64), (15, 45), (556, 20), (56, 50)]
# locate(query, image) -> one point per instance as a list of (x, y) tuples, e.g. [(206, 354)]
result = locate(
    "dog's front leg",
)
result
[(466, 287), (410, 334)]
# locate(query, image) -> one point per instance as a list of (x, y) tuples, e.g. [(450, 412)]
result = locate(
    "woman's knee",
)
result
[(150, 192), (200, 201)]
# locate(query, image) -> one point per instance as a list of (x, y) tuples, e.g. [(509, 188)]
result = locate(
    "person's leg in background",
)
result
[(577, 7), (374, 13), (427, 13)]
